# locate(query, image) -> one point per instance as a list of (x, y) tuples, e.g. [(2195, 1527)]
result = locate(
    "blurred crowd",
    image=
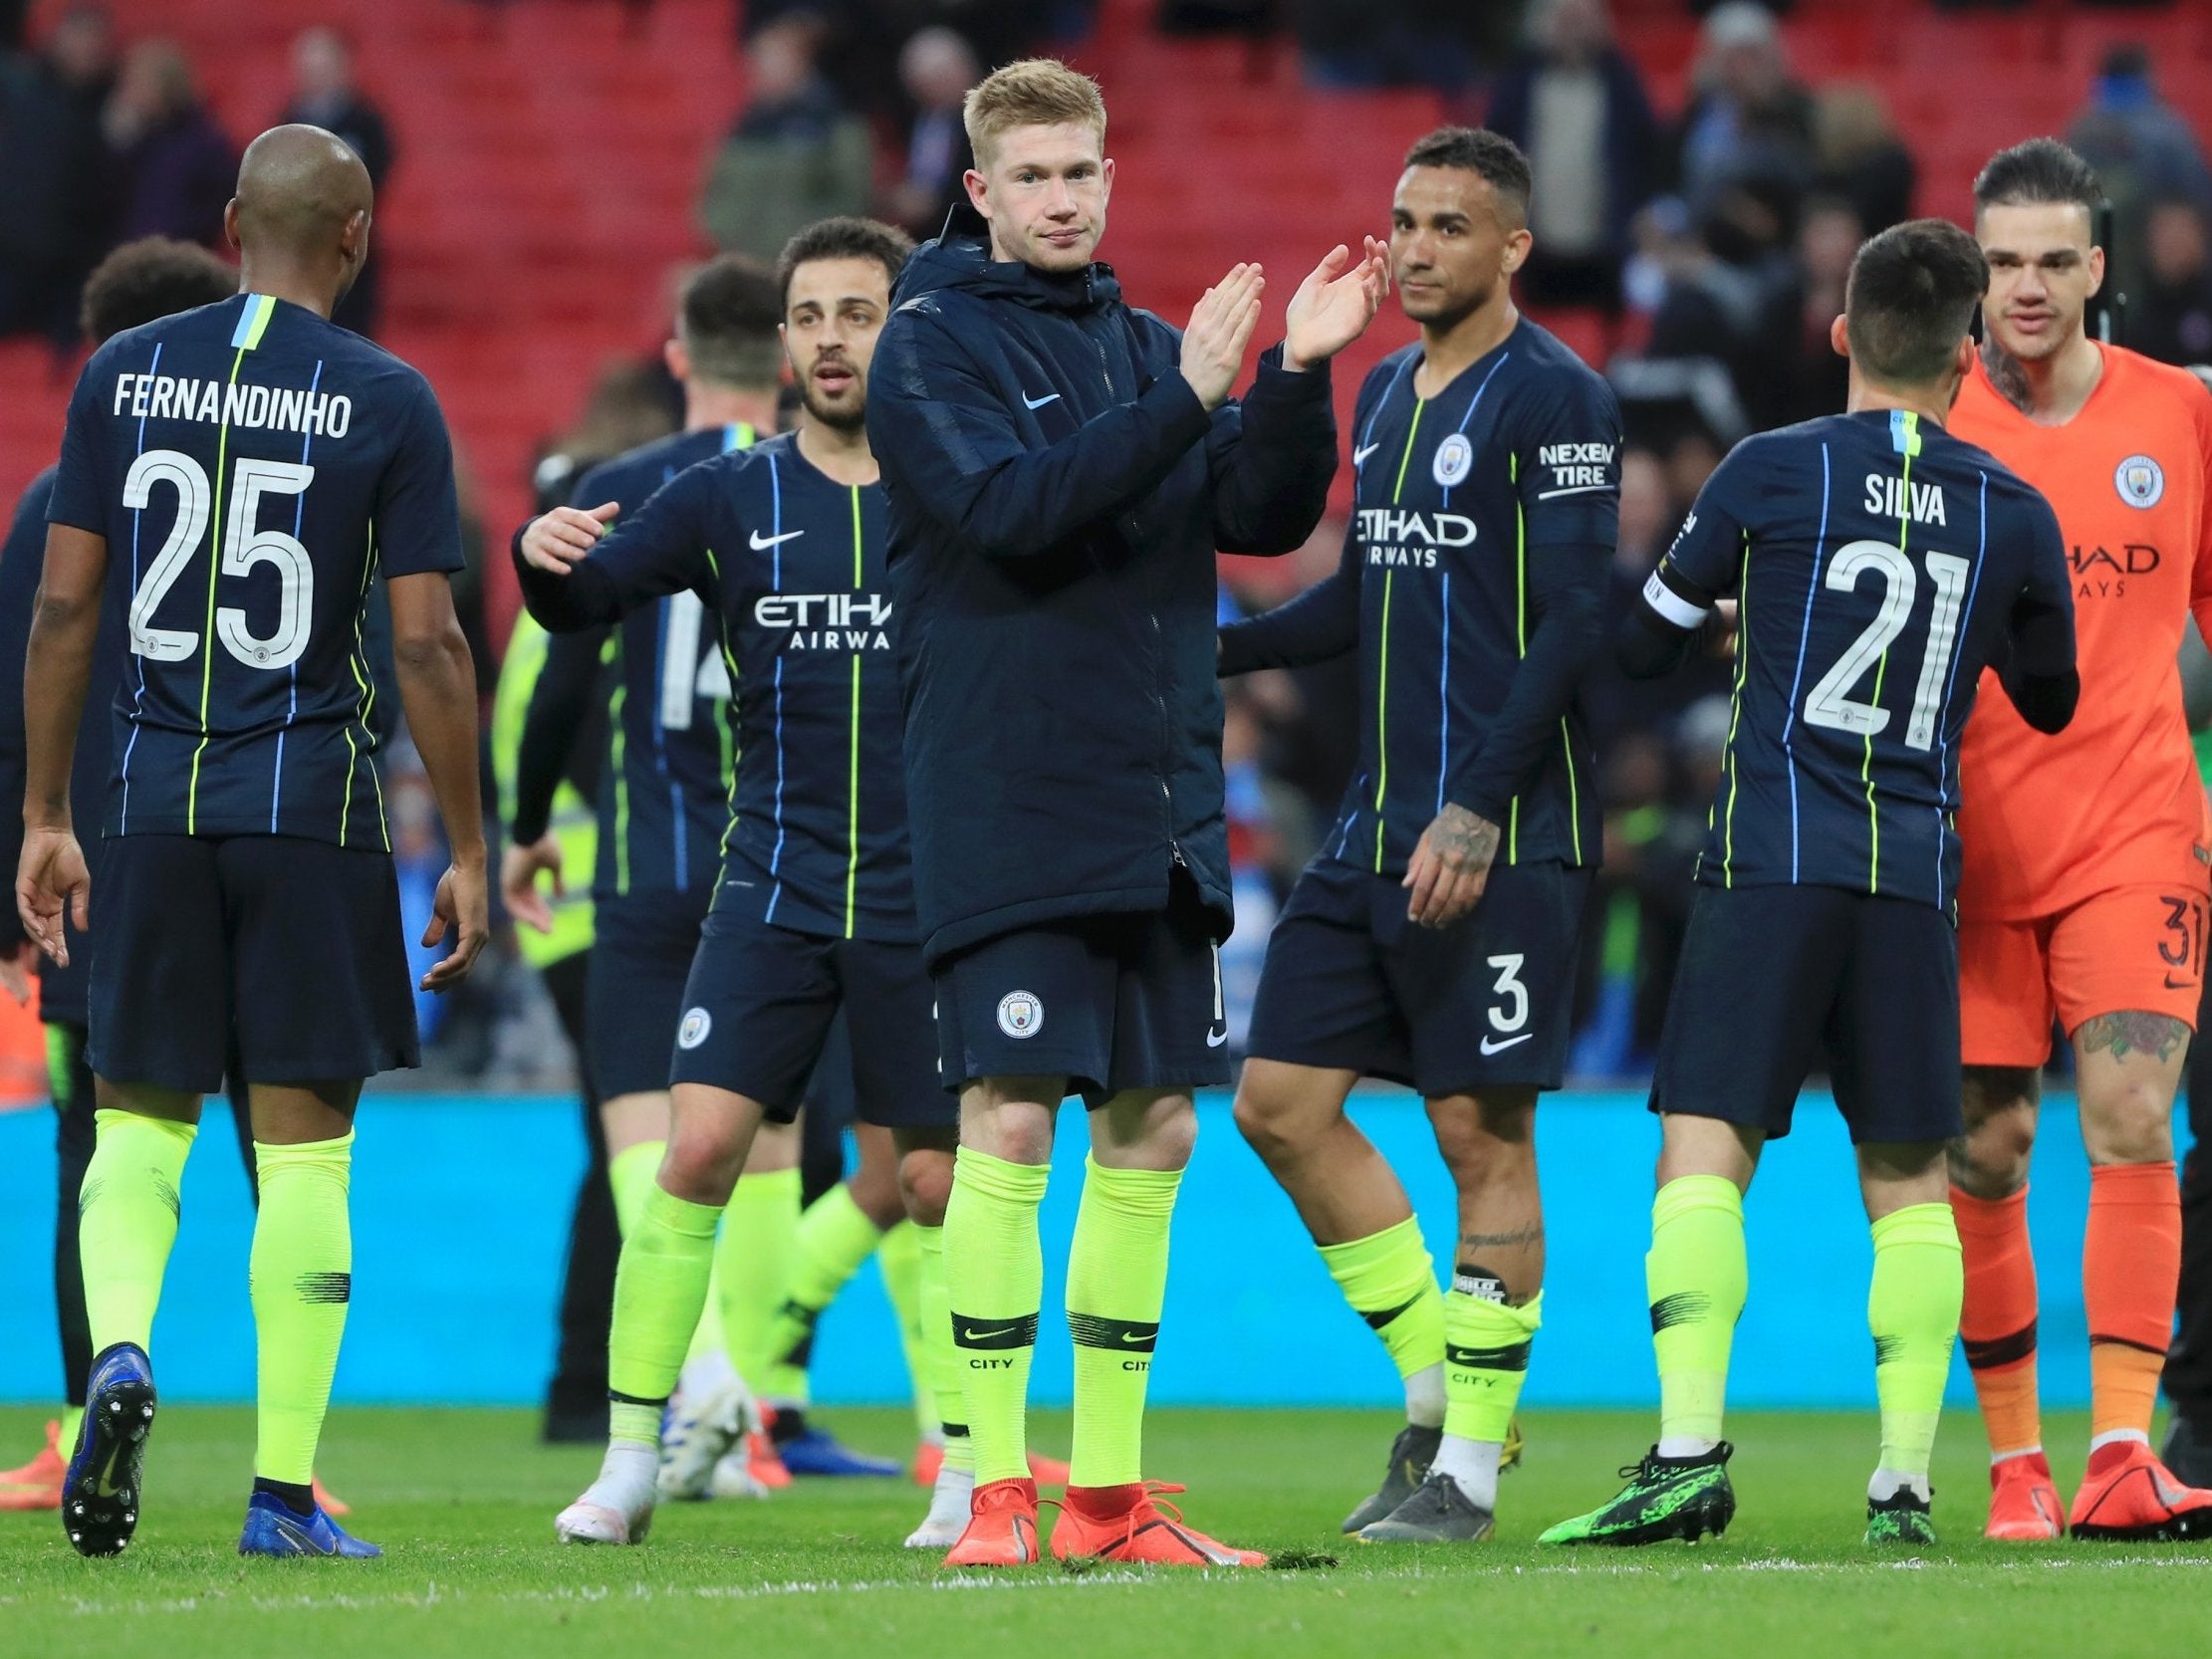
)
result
[(1697, 253)]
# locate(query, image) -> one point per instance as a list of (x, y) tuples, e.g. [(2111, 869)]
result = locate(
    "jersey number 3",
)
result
[(244, 546), (1830, 705)]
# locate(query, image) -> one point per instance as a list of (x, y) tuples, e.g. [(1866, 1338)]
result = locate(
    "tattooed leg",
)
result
[(2129, 1066), (1489, 1145)]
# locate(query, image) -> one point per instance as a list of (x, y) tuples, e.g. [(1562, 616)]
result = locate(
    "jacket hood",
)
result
[(961, 258)]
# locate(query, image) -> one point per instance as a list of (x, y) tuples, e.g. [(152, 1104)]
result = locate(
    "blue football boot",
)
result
[(273, 1529), (816, 1451), (100, 1494)]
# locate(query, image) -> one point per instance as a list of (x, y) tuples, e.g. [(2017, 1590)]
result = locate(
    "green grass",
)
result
[(463, 1502)]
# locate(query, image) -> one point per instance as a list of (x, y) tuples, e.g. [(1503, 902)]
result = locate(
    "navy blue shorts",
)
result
[(1488, 1003), (641, 950), (1109, 1002), (759, 1006), (294, 942), (1770, 977)]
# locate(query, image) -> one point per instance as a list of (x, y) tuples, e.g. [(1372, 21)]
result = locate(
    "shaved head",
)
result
[(303, 202)]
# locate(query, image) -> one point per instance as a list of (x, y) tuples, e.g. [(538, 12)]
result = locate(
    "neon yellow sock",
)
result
[(753, 1266), (73, 1419), (1697, 1280), (303, 1279), (940, 1363), (898, 1259), (659, 1289), (1390, 1281), (629, 1176), (1117, 1284), (995, 1275), (126, 1213), (1486, 1359), (1912, 1309), (835, 1237)]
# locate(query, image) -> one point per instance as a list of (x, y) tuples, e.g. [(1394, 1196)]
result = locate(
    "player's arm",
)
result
[(20, 561), (1570, 517), (560, 710), (1322, 622), (577, 571), (951, 437), (2037, 668), (57, 666), (1683, 613)]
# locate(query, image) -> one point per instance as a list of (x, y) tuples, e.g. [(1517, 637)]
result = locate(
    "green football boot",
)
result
[(1665, 1497), (1900, 1519)]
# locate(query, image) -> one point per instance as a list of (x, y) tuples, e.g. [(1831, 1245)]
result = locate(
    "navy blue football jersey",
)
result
[(253, 468), (664, 793), (792, 565), (1475, 510), (1879, 563)]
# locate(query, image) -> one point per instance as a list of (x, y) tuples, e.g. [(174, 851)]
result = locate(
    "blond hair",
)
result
[(1035, 92)]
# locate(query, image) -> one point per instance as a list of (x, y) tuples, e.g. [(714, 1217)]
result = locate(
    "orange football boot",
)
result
[(1002, 1527), (37, 1483), (1127, 1524), (2128, 1494), (2023, 1500)]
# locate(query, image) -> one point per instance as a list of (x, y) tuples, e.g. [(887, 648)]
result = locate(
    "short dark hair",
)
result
[(727, 321), (847, 236), (1911, 294), (1479, 150), (2037, 172), (152, 278)]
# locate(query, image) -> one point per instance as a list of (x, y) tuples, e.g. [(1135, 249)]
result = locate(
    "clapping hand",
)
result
[(1334, 306)]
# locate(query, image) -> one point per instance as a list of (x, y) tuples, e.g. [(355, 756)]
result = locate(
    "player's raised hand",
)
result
[(50, 877), (1220, 333), (463, 908), (518, 881), (553, 540), (1451, 867), (1335, 304)]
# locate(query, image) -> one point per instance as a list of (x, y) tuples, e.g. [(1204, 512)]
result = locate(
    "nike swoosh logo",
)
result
[(986, 1333), (762, 543), (1360, 456), (1040, 402), (296, 1534), (1133, 1338), (2174, 984), (1215, 1042), (1492, 1047)]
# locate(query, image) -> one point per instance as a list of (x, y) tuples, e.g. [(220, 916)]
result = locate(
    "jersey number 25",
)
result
[(1830, 705), (244, 546)]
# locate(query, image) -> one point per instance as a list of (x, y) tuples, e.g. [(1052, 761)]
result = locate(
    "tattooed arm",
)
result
[(1450, 866)]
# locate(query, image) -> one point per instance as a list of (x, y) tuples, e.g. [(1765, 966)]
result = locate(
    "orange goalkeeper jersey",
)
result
[(2115, 799)]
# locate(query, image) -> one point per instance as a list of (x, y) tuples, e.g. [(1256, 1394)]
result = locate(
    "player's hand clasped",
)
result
[(1335, 304), (50, 876), (556, 539), (1451, 867)]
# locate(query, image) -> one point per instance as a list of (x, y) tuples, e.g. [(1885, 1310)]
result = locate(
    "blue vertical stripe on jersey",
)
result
[(1474, 404), (1445, 696), (1950, 685), (1797, 680), (253, 322), (138, 697), (292, 707), (776, 585)]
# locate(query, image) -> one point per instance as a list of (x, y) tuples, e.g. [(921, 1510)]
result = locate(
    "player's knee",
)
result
[(925, 1185), (1484, 1141), (1274, 1117), (2132, 1124), (1990, 1160), (699, 1165)]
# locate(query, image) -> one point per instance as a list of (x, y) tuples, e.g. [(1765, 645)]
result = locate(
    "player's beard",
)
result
[(1453, 309), (839, 416)]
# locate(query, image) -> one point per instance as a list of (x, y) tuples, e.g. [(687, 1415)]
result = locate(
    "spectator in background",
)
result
[(1577, 107), (177, 168), (324, 94), (1795, 371), (936, 67), (54, 211), (796, 154), (2171, 318), (1860, 159), (1749, 114), (2143, 151)]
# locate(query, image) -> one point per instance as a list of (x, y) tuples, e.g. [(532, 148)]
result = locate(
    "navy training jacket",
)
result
[(1057, 496)]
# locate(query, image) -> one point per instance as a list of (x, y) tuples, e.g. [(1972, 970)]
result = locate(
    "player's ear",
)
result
[(978, 188), (1840, 338), (1518, 244), (677, 358), (353, 237), (2096, 269), (230, 222)]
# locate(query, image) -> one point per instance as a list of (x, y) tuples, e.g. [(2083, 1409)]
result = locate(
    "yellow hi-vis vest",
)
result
[(574, 824)]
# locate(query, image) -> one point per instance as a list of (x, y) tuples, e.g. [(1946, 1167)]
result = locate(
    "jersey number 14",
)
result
[(243, 546), (1830, 705)]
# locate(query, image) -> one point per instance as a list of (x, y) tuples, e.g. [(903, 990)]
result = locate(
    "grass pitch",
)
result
[(463, 1503)]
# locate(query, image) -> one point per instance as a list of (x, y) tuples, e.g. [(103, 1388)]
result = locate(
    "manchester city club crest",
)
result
[(1021, 1014), (693, 1031), (2141, 481), (1455, 460)]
